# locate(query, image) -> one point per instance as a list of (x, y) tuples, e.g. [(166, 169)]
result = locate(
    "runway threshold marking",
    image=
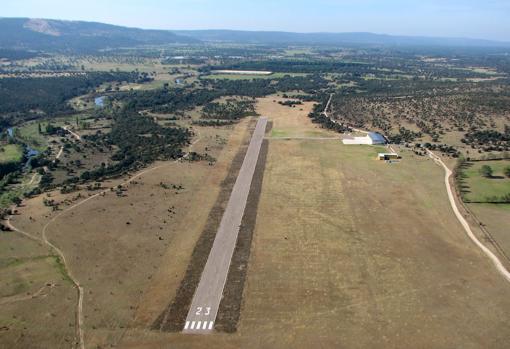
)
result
[(208, 294)]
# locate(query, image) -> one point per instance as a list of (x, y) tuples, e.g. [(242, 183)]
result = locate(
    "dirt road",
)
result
[(325, 112), (74, 134), (206, 301), (59, 154), (79, 305), (497, 263)]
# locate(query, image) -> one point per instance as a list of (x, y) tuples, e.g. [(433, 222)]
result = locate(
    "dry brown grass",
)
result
[(351, 252), (347, 252), (289, 122), (129, 253), (496, 218)]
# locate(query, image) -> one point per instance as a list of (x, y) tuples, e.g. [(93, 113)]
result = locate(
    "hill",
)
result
[(83, 37), (78, 36), (361, 38)]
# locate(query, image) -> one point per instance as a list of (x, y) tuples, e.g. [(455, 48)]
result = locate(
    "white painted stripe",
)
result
[(187, 325), (199, 323), (192, 325), (211, 323), (204, 326)]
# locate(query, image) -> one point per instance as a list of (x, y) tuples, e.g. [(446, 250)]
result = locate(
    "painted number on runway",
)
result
[(200, 311)]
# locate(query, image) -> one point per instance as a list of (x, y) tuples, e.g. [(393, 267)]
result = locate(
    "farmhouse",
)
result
[(370, 138)]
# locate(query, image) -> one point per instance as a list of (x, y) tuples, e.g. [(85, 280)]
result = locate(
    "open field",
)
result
[(496, 219), (340, 255), (30, 134), (289, 122), (482, 189), (247, 76), (351, 252), (131, 256), (11, 153), (120, 232), (242, 72), (33, 291)]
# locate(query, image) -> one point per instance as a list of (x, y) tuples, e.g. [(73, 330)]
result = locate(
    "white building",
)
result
[(388, 156), (371, 138)]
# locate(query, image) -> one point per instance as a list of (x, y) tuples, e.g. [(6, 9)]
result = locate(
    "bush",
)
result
[(486, 171), (506, 171)]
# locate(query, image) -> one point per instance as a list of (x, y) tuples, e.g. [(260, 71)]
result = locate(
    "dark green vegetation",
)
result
[(452, 100), (342, 39), (75, 36), (484, 181), (24, 34), (139, 141), (29, 98), (80, 115), (231, 110), (489, 139), (170, 101)]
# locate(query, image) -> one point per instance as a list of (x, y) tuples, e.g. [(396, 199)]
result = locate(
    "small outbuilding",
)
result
[(388, 156)]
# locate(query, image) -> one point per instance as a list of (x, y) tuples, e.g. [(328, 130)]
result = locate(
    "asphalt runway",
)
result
[(207, 297)]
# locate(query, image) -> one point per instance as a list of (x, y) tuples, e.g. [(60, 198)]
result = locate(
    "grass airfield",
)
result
[(351, 252), (348, 251)]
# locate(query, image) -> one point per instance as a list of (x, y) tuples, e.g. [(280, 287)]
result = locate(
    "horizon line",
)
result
[(267, 31)]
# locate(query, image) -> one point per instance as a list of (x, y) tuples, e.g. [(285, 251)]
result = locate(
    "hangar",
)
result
[(371, 138)]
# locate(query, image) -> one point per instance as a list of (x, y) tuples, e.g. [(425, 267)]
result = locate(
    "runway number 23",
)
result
[(201, 311)]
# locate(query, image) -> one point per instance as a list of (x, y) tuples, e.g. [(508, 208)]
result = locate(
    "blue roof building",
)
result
[(377, 138)]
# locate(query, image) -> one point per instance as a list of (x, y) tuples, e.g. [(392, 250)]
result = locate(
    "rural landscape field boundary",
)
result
[(79, 305), (495, 260)]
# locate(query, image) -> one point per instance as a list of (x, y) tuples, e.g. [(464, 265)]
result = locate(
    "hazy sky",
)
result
[(489, 19)]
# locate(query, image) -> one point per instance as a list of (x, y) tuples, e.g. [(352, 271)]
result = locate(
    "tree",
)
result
[(506, 171), (16, 200), (486, 171)]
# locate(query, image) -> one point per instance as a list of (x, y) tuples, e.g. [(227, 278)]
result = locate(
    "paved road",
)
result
[(206, 300)]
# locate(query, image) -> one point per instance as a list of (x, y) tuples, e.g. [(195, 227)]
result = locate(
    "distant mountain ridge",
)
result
[(57, 35), (78, 36), (278, 37)]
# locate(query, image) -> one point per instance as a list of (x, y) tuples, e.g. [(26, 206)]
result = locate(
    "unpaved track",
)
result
[(497, 263), (325, 112), (79, 288), (59, 153), (208, 294), (19, 298), (32, 179), (75, 135)]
